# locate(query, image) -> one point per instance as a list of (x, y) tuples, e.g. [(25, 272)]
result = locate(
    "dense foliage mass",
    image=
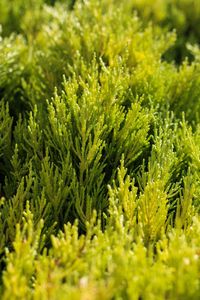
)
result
[(100, 149)]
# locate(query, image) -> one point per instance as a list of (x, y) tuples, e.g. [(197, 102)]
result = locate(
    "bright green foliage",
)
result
[(99, 149), (103, 265)]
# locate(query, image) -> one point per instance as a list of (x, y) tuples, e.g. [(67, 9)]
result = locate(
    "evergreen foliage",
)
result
[(99, 149)]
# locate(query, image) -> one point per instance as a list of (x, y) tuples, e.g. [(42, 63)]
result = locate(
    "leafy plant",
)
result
[(99, 149)]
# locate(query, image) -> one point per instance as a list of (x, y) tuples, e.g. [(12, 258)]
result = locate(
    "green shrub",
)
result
[(99, 150)]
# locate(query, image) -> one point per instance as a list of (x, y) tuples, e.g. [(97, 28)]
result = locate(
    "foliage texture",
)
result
[(99, 149)]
